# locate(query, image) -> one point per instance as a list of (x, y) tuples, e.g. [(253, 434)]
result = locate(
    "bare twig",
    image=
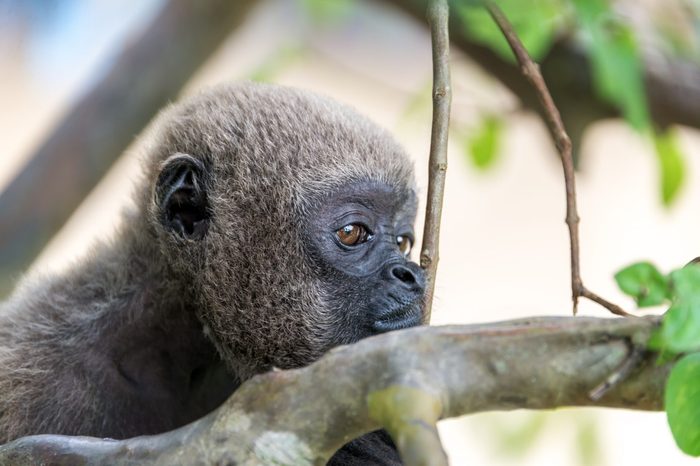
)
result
[(614, 308), (561, 139), (694, 261), (672, 83), (397, 380), (438, 17), (633, 361)]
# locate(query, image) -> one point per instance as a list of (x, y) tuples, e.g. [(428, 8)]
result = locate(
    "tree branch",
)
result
[(531, 71), (29, 220), (438, 16), (672, 84), (148, 73), (404, 381)]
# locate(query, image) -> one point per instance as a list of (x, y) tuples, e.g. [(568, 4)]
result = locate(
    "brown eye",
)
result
[(404, 243), (352, 235)]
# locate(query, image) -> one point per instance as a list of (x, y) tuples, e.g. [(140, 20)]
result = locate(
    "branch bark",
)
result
[(404, 381), (438, 17), (531, 71), (147, 74)]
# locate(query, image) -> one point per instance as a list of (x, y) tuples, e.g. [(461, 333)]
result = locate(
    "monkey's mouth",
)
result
[(405, 316)]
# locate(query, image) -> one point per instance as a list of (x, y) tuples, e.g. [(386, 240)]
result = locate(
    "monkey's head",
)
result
[(291, 219)]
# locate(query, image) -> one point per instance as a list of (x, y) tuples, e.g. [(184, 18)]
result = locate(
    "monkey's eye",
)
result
[(405, 244), (353, 234)]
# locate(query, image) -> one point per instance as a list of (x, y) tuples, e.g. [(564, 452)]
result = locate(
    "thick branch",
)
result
[(403, 380), (148, 73), (438, 16)]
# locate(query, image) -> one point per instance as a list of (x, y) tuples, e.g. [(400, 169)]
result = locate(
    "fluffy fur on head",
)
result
[(272, 154)]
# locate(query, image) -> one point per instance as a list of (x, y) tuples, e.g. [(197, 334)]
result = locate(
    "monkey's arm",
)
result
[(375, 448)]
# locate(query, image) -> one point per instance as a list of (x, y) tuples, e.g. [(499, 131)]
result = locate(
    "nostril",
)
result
[(404, 274)]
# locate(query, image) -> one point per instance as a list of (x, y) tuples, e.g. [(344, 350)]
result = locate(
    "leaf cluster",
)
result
[(611, 46), (678, 337)]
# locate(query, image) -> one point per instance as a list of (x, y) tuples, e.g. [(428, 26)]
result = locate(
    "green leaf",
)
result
[(535, 21), (680, 332), (685, 283), (644, 283), (614, 55), (682, 403), (484, 144), (671, 164), (657, 342)]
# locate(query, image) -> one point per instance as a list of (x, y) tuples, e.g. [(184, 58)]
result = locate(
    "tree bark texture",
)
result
[(404, 381)]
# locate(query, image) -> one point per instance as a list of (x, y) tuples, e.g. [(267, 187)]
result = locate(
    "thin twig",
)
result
[(692, 262), (532, 72), (614, 308), (438, 15), (633, 361)]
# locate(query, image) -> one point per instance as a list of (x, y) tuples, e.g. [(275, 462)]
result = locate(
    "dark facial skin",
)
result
[(360, 239)]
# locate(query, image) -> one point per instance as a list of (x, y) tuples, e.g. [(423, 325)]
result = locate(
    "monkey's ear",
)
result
[(181, 197)]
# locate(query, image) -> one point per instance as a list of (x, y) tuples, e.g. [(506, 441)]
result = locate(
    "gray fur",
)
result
[(271, 154)]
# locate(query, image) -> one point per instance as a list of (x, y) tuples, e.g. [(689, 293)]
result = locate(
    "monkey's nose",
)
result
[(403, 274), (407, 278)]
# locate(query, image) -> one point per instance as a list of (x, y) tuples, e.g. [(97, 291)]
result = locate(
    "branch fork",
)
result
[(531, 71)]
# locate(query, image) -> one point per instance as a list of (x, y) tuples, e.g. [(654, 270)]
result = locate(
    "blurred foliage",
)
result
[(608, 41), (535, 21), (484, 144), (590, 452), (327, 10), (518, 438), (481, 144), (678, 337), (514, 435), (611, 46), (604, 35), (683, 42), (420, 102), (278, 62), (671, 163), (614, 55)]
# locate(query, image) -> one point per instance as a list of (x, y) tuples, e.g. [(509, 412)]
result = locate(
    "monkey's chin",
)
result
[(409, 315)]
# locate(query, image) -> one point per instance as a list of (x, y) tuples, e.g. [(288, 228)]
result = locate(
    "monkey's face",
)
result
[(292, 218), (360, 239)]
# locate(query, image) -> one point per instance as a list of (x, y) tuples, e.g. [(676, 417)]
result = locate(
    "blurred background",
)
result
[(81, 79)]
